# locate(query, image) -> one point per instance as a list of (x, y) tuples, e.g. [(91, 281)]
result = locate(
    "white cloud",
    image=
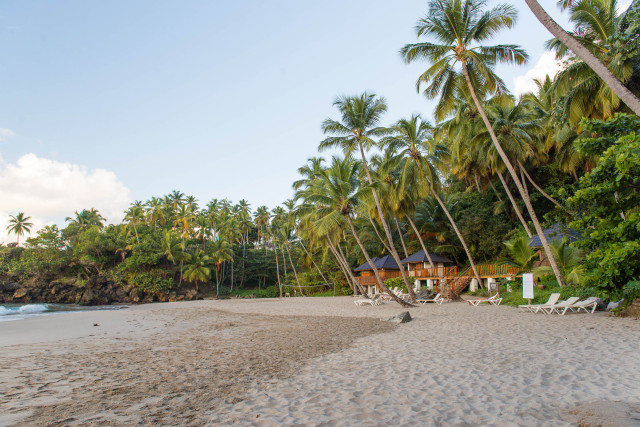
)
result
[(547, 64), (5, 133), (49, 190)]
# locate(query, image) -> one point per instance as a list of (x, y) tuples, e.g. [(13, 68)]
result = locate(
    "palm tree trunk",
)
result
[(180, 282), (136, 231), (515, 206), (524, 171), (494, 190), (313, 262), (345, 266), (295, 273), (507, 163), (424, 248), (455, 228), (404, 247), (347, 275), (384, 242), (394, 252), (284, 261), (379, 282), (590, 59), (278, 268), (217, 283)]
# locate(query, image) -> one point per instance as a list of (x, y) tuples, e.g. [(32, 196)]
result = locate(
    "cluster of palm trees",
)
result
[(483, 135), (392, 187), (200, 240)]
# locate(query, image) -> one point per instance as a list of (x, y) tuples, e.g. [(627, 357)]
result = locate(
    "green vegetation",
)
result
[(475, 185)]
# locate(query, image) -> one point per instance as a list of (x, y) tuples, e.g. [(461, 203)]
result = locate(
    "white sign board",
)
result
[(527, 286)]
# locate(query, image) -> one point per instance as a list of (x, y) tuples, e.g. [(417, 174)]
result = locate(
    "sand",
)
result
[(319, 361)]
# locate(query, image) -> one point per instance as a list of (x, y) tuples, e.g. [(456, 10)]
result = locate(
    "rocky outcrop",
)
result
[(98, 290)]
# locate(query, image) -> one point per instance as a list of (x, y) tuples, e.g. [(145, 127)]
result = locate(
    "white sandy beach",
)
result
[(311, 361)]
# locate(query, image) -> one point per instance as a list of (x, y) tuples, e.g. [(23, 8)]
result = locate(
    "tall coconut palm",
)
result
[(196, 269), (19, 224), (87, 218), (422, 155), (460, 26), (585, 94), (173, 250), (586, 56), (220, 251), (134, 216), (336, 196), (358, 130)]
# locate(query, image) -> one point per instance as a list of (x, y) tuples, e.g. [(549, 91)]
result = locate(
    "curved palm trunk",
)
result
[(394, 252), (524, 171), (516, 180), (136, 231), (455, 228), (373, 224), (278, 268), (515, 206), (346, 266), (424, 248), (353, 282), (314, 263), (494, 190), (379, 280), (404, 247), (295, 273), (590, 59)]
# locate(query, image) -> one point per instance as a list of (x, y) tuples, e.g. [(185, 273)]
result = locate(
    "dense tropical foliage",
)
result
[(475, 185)]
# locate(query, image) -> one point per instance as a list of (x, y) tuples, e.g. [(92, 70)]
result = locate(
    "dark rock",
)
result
[(403, 317), (136, 295), (21, 293)]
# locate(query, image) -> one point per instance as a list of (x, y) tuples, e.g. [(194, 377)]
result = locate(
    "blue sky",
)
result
[(217, 99)]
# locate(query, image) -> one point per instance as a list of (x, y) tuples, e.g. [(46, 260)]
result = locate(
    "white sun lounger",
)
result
[(437, 299), (376, 300), (589, 305), (494, 300), (553, 298), (562, 305)]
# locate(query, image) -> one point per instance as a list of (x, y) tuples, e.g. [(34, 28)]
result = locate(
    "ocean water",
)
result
[(9, 312)]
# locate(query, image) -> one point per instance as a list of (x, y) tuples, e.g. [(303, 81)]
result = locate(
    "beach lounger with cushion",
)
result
[(437, 299), (553, 298), (494, 300), (560, 306)]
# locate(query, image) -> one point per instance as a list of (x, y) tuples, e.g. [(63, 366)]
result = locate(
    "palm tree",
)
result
[(586, 56), (87, 218), (419, 172), (220, 251), (135, 215), (197, 270), (357, 130), (173, 249), (521, 255), (336, 196), (458, 25), (597, 24), (19, 225)]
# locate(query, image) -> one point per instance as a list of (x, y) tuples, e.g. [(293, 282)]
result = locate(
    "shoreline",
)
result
[(314, 361)]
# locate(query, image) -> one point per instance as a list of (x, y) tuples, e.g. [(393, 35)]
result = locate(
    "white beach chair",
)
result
[(589, 305), (494, 300), (376, 300), (562, 305), (553, 298), (437, 300)]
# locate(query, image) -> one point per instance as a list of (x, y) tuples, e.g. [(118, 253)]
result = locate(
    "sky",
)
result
[(104, 103)]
